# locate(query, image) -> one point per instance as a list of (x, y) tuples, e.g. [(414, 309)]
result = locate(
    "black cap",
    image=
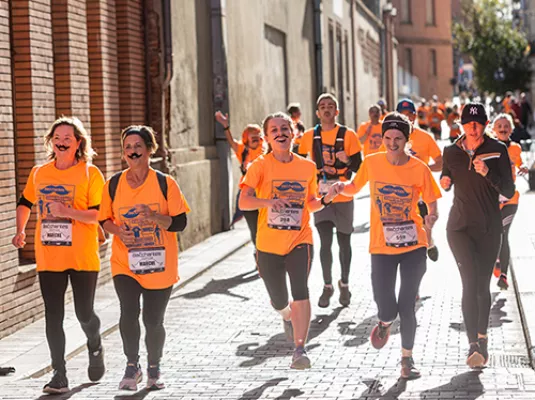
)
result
[(474, 112)]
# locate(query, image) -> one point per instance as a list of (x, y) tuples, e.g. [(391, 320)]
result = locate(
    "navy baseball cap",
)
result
[(474, 112), (406, 105)]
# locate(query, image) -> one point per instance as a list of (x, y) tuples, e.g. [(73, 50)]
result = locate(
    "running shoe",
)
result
[(58, 384), (345, 294), (288, 330), (497, 269), (300, 359), (325, 297), (432, 253), (380, 335), (502, 282), (475, 358), (484, 349), (132, 376), (153, 378), (96, 368), (408, 370)]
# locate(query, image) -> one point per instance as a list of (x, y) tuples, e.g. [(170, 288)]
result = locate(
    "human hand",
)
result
[(222, 118), (334, 190), (480, 167), (19, 240), (279, 204), (58, 210), (342, 156), (445, 182)]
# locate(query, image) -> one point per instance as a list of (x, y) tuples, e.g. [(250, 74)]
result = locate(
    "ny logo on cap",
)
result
[(473, 110)]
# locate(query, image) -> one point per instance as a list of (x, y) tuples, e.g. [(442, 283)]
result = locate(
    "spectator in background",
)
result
[(526, 112)]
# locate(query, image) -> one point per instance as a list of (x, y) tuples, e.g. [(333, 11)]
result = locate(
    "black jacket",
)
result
[(476, 198)]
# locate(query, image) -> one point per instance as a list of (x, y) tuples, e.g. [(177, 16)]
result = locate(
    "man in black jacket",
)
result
[(480, 169)]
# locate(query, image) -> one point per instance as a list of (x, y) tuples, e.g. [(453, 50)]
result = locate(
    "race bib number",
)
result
[(286, 219), (56, 233), (400, 234), (324, 185), (146, 261)]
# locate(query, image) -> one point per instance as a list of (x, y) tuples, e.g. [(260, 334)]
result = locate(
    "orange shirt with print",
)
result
[(515, 154), (252, 154), (374, 140), (294, 181), (454, 124), (328, 138), (79, 187), (434, 119), (147, 234), (394, 195), (422, 115)]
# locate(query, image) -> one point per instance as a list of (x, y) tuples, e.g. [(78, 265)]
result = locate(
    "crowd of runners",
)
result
[(289, 173)]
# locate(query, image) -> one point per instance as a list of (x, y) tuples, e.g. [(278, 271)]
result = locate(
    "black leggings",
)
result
[(508, 214), (53, 286), (251, 217), (273, 268), (154, 306), (475, 252), (412, 267), (325, 230)]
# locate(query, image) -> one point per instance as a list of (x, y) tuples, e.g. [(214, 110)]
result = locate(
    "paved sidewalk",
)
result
[(225, 342)]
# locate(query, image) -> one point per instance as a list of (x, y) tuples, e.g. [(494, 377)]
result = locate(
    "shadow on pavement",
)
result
[(363, 330), (322, 322), (69, 394), (257, 392), (376, 390), (363, 228), (496, 318), (290, 394), (467, 384), (134, 396), (223, 286)]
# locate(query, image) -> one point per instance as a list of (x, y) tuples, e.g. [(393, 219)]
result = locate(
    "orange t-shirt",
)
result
[(506, 103), (422, 115), (374, 139), (454, 124), (423, 146), (252, 154), (280, 233), (328, 138), (515, 154), (62, 244), (395, 192), (153, 246), (435, 118)]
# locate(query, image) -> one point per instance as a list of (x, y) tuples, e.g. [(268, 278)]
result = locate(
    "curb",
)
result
[(523, 319)]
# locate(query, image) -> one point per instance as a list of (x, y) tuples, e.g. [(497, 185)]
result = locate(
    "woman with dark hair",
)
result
[(282, 186), (397, 235), (67, 191), (144, 209)]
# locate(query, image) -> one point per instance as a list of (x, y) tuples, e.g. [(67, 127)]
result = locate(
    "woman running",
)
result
[(285, 185), (67, 191), (397, 235), (480, 169), (503, 127), (144, 209)]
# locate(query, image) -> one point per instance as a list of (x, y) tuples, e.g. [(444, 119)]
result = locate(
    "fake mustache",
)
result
[(61, 147), (133, 156)]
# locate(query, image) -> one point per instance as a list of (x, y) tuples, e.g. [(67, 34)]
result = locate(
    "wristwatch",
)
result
[(323, 202)]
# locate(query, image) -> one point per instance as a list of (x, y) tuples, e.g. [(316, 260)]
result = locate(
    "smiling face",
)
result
[(503, 129), (279, 134), (474, 130), (135, 151), (64, 142), (327, 111), (394, 141)]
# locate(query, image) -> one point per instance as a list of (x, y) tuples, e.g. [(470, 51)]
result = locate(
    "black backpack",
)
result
[(317, 148), (114, 182)]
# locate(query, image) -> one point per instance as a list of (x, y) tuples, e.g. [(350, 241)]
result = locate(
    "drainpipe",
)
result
[(354, 61), (168, 75), (319, 48), (148, 83), (220, 102)]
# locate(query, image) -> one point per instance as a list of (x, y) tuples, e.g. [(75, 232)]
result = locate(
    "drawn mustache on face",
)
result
[(61, 147), (281, 136), (133, 156)]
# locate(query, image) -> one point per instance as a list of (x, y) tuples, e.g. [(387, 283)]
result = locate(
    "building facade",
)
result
[(423, 30)]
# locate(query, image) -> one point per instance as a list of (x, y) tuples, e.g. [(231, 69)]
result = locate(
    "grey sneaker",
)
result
[(132, 376), (300, 359), (58, 384), (345, 294), (96, 368), (153, 379), (288, 330), (325, 297)]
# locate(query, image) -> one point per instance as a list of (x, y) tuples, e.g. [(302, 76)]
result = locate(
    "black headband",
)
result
[(402, 126)]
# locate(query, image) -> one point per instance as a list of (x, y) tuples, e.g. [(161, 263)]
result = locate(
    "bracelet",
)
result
[(323, 202), (227, 128)]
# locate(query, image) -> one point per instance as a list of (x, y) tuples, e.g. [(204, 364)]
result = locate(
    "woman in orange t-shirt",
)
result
[(503, 127), (67, 191), (144, 209), (282, 186), (397, 235), (247, 150)]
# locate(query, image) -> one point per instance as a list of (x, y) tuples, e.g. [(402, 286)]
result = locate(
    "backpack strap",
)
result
[(340, 136), (243, 157), (317, 147), (114, 182), (162, 181)]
